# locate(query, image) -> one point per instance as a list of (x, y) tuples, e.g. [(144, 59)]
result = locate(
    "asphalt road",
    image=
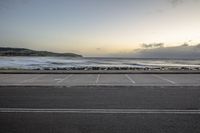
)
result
[(100, 79), (100, 109)]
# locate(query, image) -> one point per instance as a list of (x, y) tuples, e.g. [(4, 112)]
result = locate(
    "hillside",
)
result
[(6, 51)]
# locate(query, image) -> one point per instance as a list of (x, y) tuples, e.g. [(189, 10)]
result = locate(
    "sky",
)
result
[(98, 27)]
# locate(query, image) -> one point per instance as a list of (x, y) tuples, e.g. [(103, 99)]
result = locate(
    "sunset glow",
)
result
[(98, 27)]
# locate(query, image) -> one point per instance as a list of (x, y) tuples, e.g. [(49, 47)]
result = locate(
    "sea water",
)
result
[(66, 62)]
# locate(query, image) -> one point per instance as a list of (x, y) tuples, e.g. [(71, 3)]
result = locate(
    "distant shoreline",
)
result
[(23, 52)]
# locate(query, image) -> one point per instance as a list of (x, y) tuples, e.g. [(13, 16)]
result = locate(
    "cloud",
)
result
[(152, 45), (176, 2), (182, 51), (185, 45), (98, 49)]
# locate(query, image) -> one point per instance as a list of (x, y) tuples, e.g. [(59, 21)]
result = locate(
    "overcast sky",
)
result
[(98, 27)]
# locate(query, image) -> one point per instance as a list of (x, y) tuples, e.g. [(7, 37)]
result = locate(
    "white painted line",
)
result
[(100, 111), (114, 85), (130, 79), (31, 79), (97, 80), (60, 81), (162, 78)]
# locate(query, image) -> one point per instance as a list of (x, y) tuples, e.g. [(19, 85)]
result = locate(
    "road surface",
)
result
[(99, 103)]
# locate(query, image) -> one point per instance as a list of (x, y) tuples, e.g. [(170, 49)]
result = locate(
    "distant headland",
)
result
[(7, 51)]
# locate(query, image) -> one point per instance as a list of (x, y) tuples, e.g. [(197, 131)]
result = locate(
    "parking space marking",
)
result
[(98, 77), (162, 78), (130, 79), (60, 81)]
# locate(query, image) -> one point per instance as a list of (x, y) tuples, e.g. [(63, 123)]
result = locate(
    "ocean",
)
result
[(67, 63)]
